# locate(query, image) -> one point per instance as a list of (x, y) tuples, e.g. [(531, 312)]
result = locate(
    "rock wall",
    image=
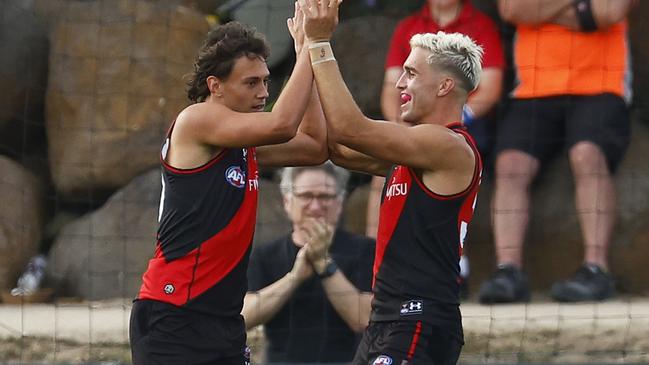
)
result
[(115, 85)]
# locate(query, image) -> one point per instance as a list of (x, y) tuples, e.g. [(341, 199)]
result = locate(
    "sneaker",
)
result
[(507, 285), (590, 283)]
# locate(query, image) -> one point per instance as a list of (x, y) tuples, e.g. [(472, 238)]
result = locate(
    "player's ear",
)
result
[(446, 85), (215, 85)]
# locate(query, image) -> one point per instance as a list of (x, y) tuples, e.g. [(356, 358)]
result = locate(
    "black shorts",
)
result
[(407, 343), (161, 333), (540, 127)]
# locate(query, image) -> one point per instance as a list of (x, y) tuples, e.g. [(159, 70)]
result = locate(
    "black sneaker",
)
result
[(590, 283), (507, 285)]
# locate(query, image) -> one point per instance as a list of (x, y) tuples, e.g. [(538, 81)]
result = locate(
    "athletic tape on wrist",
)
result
[(321, 52)]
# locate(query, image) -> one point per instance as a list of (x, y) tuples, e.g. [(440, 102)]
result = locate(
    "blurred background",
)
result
[(87, 92)]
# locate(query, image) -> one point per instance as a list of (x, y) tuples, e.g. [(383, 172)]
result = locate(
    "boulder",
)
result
[(23, 73), (21, 220), (115, 86), (104, 253)]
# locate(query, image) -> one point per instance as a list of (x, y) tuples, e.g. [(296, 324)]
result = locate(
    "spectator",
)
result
[(573, 95), (301, 300), (449, 16)]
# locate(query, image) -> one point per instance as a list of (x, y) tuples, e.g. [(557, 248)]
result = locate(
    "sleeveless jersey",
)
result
[(419, 243), (206, 224)]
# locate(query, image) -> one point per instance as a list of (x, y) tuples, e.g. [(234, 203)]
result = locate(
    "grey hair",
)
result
[(288, 175), (454, 52)]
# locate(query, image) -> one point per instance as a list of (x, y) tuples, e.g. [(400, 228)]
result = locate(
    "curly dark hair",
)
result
[(223, 46)]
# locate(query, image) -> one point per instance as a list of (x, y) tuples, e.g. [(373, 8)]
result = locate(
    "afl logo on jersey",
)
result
[(235, 176), (382, 360)]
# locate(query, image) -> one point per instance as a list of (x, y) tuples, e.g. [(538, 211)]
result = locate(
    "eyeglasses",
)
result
[(307, 198)]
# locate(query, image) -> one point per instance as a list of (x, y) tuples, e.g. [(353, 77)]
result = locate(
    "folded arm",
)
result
[(562, 12)]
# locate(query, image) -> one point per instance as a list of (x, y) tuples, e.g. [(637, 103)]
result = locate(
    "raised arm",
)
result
[(426, 147), (309, 146), (217, 125)]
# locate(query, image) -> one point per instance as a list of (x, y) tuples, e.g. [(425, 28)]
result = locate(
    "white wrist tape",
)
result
[(321, 52)]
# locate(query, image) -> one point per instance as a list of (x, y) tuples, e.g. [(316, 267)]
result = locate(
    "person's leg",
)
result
[(529, 133), (598, 132), (595, 200), (515, 171)]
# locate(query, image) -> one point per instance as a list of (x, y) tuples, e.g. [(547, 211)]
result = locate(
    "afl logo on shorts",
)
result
[(235, 176), (382, 360)]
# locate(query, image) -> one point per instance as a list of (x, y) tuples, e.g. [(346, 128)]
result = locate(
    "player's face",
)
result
[(418, 86), (313, 196), (246, 89)]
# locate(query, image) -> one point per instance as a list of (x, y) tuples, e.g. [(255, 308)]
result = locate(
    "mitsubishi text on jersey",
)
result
[(419, 243), (206, 225)]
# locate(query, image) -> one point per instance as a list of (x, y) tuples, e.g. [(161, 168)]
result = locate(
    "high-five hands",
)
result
[(320, 18), (296, 28)]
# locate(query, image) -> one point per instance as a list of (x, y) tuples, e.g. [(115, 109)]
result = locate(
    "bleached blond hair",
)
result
[(453, 52)]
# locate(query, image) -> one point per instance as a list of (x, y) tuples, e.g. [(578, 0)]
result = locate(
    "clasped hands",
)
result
[(314, 256)]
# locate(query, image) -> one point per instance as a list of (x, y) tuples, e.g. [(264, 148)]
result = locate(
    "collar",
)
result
[(455, 125)]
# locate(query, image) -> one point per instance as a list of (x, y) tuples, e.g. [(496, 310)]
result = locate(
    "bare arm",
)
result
[(214, 124), (609, 12), (426, 147), (259, 307), (532, 11), (353, 306), (309, 146), (562, 12), (353, 160)]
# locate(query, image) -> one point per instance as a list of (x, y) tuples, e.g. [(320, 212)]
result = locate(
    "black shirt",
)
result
[(308, 328)]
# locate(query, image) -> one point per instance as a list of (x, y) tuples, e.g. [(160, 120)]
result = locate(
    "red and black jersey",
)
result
[(419, 243), (206, 224)]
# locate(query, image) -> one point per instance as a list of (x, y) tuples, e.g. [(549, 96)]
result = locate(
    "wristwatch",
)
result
[(329, 270)]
